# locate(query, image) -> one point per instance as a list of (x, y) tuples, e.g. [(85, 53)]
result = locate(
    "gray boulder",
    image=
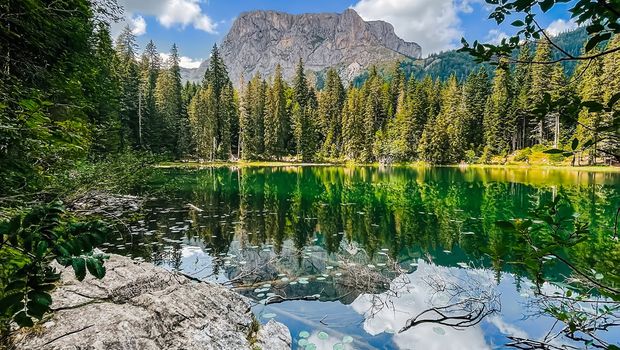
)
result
[(140, 306)]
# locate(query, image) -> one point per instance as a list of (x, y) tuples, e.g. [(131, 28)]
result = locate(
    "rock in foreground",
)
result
[(140, 306)]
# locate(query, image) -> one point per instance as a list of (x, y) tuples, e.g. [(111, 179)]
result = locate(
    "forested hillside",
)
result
[(79, 94)]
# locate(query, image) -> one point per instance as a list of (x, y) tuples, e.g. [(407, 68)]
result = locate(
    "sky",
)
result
[(437, 25)]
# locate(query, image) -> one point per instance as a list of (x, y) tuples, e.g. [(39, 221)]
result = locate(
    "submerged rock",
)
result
[(140, 306)]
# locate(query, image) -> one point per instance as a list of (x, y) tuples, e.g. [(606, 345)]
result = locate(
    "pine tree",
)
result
[(129, 82), (352, 125), (170, 107), (226, 120), (330, 109), (434, 144), (453, 115), (496, 117), (521, 109), (150, 122), (276, 118), (303, 108), (105, 118), (202, 115), (591, 88), (541, 77), (475, 93), (300, 86)]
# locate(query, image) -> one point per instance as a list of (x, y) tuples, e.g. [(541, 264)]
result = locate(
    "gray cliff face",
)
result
[(259, 40)]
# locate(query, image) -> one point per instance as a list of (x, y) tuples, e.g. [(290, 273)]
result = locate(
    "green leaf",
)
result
[(518, 23), (595, 40), (79, 267), (95, 268), (545, 5), (553, 151), (15, 285), (574, 144), (613, 100), (36, 309), (592, 106), (40, 297), (11, 300), (22, 319), (41, 248), (505, 225)]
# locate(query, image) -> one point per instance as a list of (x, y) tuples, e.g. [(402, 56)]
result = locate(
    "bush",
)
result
[(29, 242), (523, 155), (470, 157), (486, 156)]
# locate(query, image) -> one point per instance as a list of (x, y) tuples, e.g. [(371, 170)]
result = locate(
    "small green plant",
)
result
[(470, 156), (523, 155), (29, 243)]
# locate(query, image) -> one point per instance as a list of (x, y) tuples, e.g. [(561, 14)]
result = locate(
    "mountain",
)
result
[(259, 40), (444, 64)]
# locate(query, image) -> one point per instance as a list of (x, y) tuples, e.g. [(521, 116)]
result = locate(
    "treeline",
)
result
[(395, 119)]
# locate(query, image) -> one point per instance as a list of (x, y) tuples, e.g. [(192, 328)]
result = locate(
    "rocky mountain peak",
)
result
[(259, 40)]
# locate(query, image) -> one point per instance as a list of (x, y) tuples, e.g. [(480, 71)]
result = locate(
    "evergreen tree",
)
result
[(150, 123), (129, 83), (475, 93), (331, 102), (521, 109), (170, 107), (276, 118), (453, 113), (541, 78), (497, 128), (105, 117), (202, 114), (226, 120), (352, 125), (590, 89)]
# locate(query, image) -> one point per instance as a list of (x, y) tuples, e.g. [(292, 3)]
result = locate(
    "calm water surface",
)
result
[(375, 246)]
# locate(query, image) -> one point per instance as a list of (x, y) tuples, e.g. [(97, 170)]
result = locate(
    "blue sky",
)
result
[(195, 25)]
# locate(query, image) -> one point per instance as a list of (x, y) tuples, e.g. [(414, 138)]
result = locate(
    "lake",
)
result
[(355, 252)]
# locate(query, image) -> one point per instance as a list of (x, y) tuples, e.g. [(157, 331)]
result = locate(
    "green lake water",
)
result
[(371, 245)]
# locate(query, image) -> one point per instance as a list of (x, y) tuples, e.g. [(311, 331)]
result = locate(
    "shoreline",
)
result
[(586, 168)]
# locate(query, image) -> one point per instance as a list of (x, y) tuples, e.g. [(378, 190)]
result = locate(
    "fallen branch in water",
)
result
[(277, 299)]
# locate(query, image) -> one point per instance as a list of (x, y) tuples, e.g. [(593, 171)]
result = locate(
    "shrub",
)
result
[(29, 243)]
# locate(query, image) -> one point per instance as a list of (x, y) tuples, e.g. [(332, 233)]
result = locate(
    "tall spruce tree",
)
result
[(150, 122), (170, 107), (331, 102), (497, 134), (276, 118), (475, 93), (129, 81), (105, 116), (541, 84)]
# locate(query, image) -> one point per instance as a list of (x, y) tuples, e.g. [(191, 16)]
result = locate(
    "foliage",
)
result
[(551, 98), (600, 18), (541, 241), (29, 243)]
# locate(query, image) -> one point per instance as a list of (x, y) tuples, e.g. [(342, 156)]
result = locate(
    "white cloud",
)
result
[(170, 13), (137, 25), (434, 24), (495, 36), (560, 26), (184, 61)]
